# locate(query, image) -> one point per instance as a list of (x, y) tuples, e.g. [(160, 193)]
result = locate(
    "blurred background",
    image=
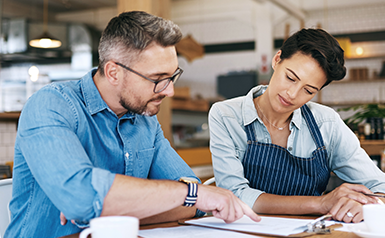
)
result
[(226, 50)]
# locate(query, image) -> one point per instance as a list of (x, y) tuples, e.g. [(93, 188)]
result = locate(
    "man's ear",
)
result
[(276, 59), (111, 72)]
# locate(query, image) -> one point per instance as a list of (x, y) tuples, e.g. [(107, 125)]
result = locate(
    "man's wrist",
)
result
[(192, 191)]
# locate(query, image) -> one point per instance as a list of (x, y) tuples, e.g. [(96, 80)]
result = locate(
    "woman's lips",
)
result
[(284, 101)]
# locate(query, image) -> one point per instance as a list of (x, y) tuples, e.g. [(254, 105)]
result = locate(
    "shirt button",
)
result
[(127, 155), (290, 148)]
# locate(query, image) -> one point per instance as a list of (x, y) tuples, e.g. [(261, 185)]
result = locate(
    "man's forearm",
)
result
[(142, 198), (172, 215)]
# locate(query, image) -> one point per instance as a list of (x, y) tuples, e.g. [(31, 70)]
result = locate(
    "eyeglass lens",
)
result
[(162, 84)]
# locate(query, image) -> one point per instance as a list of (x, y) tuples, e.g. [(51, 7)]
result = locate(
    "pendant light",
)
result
[(45, 40)]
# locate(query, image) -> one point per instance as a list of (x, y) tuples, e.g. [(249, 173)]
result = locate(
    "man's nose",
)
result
[(169, 90)]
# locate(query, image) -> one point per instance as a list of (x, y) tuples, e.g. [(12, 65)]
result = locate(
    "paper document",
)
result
[(191, 232), (268, 225)]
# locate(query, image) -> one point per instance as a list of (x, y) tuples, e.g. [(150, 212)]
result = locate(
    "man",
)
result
[(93, 147)]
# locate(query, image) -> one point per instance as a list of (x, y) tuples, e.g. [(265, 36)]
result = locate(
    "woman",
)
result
[(275, 149)]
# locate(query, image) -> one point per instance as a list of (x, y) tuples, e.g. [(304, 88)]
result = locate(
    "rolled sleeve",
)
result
[(350, 162), (101, 182)]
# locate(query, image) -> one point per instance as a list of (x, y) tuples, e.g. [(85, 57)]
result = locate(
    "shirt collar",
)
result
[(249, 112), (92, 97)]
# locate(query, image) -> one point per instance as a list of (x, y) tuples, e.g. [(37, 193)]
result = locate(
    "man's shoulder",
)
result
[(60, 89)]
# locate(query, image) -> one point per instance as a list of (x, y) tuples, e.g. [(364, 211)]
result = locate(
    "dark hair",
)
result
[(130, 33), (321, 46)]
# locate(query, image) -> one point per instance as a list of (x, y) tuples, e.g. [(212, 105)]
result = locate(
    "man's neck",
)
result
[(109, 94)]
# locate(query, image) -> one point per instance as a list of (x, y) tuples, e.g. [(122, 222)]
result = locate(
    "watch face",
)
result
[(188, 180)]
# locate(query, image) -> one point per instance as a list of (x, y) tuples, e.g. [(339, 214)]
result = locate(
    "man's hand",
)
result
[(63, 219), (223, 204), (345, 202)]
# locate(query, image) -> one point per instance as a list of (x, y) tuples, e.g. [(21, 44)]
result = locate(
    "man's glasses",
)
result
[(160, 85)]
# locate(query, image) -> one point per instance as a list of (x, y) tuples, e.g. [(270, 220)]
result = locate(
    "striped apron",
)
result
[(272, 169)]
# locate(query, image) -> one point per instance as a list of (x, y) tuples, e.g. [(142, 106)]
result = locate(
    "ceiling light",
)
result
[(45, 40), (359, 50)]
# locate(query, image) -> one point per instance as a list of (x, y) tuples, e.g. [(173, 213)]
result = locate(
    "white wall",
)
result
[(227, 21), (215, 22), (7, 141)]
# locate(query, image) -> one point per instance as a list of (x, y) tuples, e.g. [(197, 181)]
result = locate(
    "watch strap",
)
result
[(192, 195)]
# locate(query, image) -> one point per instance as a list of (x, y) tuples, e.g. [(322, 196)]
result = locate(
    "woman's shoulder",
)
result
[(228, 107), (322, 112)]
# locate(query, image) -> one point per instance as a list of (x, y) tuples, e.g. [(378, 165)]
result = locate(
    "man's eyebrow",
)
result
[(300, 79), (155, 74)]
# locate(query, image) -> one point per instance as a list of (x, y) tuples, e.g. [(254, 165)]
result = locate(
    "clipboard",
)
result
[(266, 232)]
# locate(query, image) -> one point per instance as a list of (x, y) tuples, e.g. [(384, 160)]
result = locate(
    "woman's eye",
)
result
[(309, 92), (288, 77)]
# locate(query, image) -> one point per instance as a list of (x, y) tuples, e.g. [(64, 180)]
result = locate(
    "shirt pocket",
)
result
[(142, 162)]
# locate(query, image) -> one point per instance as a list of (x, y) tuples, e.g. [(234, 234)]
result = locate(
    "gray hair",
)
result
[(132, 32)]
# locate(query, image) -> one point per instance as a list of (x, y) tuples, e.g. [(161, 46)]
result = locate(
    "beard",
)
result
[(141, 109)]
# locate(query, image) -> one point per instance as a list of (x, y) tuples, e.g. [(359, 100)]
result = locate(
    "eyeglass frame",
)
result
[(176, 75)]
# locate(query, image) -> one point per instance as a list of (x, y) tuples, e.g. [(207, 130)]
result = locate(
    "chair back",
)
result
[(5, 198), (209, 181)]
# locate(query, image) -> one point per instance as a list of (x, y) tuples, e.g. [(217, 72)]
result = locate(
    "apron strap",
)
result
[(250, 132), (313, 127)]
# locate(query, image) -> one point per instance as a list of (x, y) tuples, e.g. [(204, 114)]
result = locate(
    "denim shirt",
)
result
[(228, 143), (69, 147)]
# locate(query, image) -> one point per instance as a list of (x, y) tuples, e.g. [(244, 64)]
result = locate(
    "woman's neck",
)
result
[(266, 112)]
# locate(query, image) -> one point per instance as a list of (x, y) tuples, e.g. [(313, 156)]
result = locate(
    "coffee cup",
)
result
[(112, 226), (374, 217)]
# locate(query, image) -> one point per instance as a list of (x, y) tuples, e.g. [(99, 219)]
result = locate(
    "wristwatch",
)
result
[(192, 193)]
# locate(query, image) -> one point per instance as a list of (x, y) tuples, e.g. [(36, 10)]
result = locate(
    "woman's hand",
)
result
[(345, 202)]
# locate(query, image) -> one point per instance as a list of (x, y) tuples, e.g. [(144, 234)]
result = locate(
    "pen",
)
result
[(375, 195), (318, 225)]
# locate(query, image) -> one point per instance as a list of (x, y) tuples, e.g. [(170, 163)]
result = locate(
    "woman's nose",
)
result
[(292, 92)]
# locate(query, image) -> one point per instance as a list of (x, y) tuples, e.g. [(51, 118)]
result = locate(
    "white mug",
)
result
[(374, 217), (112, 226)]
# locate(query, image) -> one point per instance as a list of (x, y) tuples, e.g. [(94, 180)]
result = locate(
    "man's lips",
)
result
[(157, 100), (284, 101)]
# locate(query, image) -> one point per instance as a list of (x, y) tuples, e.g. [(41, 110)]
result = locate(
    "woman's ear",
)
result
[(276, 59), (111, 72)]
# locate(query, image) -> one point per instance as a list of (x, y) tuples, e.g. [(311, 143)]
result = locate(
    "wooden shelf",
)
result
[(373, 147), (200, 105), (195, 156), (9, 116), (379, 80), (351, 103), (365, 57)]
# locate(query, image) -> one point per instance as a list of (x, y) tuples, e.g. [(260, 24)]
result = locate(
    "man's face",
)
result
[(136, 93)]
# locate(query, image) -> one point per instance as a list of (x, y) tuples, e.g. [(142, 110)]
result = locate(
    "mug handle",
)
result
[(85, 233)]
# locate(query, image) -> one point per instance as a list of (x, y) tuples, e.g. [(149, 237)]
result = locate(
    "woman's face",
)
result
[(295, 81)]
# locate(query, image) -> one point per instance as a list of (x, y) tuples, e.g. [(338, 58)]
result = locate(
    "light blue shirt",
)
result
[(228, 143), (69, 147)]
